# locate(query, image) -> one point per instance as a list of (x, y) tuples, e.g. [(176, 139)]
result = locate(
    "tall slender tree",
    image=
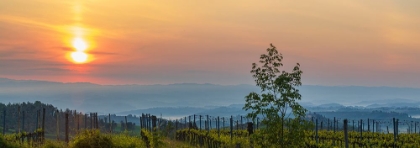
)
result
[(277, 101)]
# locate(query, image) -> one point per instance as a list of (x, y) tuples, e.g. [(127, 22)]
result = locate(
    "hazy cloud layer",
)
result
[(350, 42)]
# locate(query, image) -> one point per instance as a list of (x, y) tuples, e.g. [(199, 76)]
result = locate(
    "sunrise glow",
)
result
[(79, 57), (79, 44), (349, 42)]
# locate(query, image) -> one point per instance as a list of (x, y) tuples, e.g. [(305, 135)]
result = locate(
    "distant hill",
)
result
[(170, 112), (120, 98)]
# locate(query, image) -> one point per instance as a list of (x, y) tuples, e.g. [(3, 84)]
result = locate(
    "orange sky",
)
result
[(346, 42)]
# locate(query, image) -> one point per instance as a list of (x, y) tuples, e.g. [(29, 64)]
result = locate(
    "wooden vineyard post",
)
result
[(86, 121), (125, 126), (43, 125), (78, 121), (346, 138), (37, 120), (94, 121), (146, 121), (231, 128), (23, 121), (242, 127), (4, 122), (363, 126), (95, 117), (110, 123), (395, 131), (58, 125), (18, 125), (149, 127), (142, 121), (91, 120), (194, 124), (373, 126), (67, 127), (208, 127), (176, 124), (185, 122), (257, 122), (200, 122), (189, 122), (361, 129), (149, 122), (218, 126), (154, 125), (368, 138), (316, 131), (321, 125), (97, 120), (141, 126), (74, 114)]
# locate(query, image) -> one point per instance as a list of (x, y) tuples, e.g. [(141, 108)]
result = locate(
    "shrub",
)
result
[(54, 144), (92, 139), (5, 142), (127, 141)]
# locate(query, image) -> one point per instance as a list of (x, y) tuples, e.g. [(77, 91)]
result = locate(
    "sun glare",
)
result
[(79, 44), (79, 57)]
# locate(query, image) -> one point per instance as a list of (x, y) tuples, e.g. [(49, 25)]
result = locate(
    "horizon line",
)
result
[(186, 83)]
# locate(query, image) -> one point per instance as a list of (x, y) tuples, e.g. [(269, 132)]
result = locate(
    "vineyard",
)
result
[(72, 129), (324, 139), (328, 137)]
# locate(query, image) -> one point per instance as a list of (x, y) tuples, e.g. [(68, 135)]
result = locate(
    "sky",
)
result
[(337, 43)]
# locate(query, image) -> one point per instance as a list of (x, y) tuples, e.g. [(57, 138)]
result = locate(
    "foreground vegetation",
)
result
[(326, 139), (96, 139), (188, 138)]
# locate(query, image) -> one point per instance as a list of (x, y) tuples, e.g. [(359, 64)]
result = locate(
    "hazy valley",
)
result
[(177, 100)]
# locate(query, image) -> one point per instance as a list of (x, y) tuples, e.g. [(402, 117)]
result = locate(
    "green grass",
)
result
[(94, 138)]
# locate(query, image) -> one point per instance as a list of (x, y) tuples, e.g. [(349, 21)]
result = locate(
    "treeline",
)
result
[(25, 116), (28, 117)]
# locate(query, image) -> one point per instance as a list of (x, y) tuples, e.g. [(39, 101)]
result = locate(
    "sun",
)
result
[(79, 44), (79, 57)]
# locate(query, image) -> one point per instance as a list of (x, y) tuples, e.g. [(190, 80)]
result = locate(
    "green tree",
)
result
[(277, 101)]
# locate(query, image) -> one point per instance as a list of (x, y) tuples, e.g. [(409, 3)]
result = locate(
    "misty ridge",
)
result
[(190, 97)]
